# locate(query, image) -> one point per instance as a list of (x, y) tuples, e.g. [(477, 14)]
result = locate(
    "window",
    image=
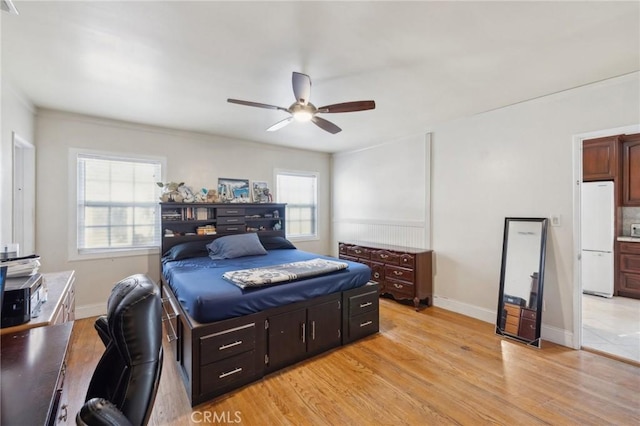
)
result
[(117, 203), (300, 191)]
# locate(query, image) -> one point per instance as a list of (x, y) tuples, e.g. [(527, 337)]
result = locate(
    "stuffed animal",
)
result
[(170, 192), (212, 196), (201, 196), (186, 193)]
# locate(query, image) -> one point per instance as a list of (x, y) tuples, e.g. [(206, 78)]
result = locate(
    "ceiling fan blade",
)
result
[(348, 107), (326, 125), (255, 104), (280, 124), (301, 87)]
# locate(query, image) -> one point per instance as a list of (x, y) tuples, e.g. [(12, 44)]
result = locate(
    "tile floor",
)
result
[(611, 325)]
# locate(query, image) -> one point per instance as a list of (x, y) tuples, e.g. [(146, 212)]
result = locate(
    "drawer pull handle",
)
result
[(366, 323), (230, 345), (364, 305), (384, 256), (304, 332), (358, 251), (405, 260), (376, 275), (232, 220), (232, 229), (313, 330), (397, 273), (169, 317), (397, 285), (172, 338), (232, 211), (223, 375), (63, 417)]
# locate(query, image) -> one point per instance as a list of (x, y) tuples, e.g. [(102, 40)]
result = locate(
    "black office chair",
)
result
[(125, 382)]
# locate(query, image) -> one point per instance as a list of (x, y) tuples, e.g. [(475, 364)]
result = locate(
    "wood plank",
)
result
[(427, 367)]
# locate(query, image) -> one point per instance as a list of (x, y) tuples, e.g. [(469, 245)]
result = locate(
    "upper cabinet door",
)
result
[(631, 170), (600, 159)]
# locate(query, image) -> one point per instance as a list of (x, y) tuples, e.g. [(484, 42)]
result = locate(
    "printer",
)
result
[(22, 299)]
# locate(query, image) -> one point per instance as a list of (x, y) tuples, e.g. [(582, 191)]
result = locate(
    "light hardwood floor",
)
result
[(423, 368)]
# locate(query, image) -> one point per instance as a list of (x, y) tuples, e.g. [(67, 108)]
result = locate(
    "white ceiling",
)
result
[(174, 63)]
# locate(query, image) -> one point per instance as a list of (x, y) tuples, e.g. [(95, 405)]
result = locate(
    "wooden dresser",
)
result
[(402, 272)]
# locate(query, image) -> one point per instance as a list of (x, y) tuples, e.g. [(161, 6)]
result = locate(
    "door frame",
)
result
[(577, 243)]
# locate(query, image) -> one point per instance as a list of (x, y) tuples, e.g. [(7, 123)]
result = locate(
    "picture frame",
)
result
[(234, 190), (261, 192)]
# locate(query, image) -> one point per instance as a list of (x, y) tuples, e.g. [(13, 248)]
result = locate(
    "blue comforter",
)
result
[(207, 297)]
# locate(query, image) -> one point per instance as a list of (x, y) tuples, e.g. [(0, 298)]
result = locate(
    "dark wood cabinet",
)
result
[(629, 269), (404, 273), (182, 222), (631, 170), (298, 334), (360, 316), (600, 158)]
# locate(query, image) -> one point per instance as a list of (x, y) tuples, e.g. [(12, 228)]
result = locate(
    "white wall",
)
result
[(515, 161), (381, 194), (16, 115), (196, 159)]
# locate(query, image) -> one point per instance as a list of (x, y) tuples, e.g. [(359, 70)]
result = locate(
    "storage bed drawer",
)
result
[(226, 343)]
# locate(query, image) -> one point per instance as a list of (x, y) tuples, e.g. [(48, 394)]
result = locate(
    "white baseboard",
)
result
[(548, 333), (472, 311), (88, 311)]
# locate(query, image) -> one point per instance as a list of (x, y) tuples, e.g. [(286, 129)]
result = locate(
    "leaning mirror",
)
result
[(522, 279)]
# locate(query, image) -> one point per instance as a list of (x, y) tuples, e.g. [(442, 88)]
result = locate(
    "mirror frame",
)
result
[(539, 302)]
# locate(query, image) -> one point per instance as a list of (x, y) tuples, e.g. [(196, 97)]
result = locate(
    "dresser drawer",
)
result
[(227, 372), (403, 274), (363, 325), (377, 271), (528, 314), (345, 257), (399, 288), (513, 320), (407, 260), (227, 343), (231, 220), (358, 251), (511, 329), (343, 248), (230, 211), (385, 256), (512, 309), (363, 303)]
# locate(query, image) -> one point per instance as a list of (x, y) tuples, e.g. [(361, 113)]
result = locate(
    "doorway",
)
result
[(610, 326), (24, 194)]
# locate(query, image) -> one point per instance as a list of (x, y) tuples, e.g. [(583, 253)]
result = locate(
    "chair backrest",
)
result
[(128, 373)]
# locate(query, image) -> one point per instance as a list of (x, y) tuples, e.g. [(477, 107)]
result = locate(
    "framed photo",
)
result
[(261, 192), (234, 190)]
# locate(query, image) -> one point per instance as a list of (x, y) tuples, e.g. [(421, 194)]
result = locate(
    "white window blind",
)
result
[(117, 203), (300, 192)]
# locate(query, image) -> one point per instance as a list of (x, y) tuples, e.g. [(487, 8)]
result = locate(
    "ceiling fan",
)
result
[(303, 110)]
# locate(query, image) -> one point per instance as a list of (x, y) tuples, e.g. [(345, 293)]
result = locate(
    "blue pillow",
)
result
[(275, 243), (233, 246), (187, 250)]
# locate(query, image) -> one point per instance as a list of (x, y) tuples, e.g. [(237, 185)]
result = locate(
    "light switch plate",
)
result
[(635, 229)]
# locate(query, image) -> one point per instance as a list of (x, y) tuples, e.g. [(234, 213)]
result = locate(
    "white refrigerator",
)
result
[(597, 231)]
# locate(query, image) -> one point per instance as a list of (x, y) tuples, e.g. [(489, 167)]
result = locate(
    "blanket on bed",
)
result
[(266, 275)]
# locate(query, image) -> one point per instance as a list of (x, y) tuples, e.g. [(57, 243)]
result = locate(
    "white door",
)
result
[(597, 273)]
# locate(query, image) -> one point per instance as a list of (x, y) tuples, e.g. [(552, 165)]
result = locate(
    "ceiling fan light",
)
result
[(302, 116)]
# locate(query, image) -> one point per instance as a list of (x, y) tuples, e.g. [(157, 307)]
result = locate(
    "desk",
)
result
[(33, 364), (60, 304)]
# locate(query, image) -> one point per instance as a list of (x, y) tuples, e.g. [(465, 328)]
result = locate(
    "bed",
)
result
[(225, 335)]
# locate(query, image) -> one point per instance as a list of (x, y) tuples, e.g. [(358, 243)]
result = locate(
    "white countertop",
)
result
[(629, 239)]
